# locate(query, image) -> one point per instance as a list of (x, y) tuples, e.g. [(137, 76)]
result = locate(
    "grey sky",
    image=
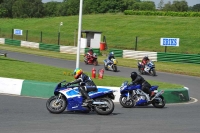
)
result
[(190, 2)]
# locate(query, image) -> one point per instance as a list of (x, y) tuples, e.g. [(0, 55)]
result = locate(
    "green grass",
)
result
[(31, 71), (178, 68), (120, 30)]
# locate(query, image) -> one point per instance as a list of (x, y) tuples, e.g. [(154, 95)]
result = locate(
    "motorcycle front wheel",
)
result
[(56, 105), (126, 104), (105, 109), (95, 63), (105, 67), (114, 68), (153, 72), (159, 102)]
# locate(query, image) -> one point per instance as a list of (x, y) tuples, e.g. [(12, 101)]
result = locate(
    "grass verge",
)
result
[(31, 71)]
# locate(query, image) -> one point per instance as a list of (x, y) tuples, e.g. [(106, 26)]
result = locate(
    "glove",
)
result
[(68, 84)]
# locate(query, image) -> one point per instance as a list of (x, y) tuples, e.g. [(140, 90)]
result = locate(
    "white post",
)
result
[(79, 34)]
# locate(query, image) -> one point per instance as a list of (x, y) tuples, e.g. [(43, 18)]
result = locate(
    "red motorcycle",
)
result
[(91, 60)]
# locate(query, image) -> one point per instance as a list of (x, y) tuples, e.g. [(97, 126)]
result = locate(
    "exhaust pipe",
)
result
[(99, 103)]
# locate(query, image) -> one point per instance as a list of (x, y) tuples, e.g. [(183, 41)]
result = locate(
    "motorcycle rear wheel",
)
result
[(56, 107), (160, 103), (101, 110), (125, 103), (140, 70)]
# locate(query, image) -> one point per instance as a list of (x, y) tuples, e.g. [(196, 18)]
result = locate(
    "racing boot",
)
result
[(152, 94), (87, 101)]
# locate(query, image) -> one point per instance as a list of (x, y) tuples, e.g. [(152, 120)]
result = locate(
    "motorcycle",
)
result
[(69, 98), (111, 66), (3, 54), (132, 95), (148, 69), (91, 60)]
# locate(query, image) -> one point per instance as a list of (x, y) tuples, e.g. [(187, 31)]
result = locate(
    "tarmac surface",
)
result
[(29, 115)]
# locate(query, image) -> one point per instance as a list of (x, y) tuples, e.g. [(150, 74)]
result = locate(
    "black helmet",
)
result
[(133, 75)]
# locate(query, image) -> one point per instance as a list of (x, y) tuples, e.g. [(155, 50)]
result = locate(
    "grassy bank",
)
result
[(120, 30), (31, 71)]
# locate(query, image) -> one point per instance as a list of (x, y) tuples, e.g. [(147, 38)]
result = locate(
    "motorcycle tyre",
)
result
[(107, 112), (95, 63), (124, 104), (140, 70), (153, 72), (51, 110), (105, 67), (85, 62), (114, 68), (154, 103)]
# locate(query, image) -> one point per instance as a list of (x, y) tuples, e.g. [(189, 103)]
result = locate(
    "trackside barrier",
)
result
[(2, 40), (176, 95), (49, 47), (175, 57), (46, 89), (13, 42), (95, 50), (155, 56), (117, 52), (71, 50), (10, 86), (30, 44), (138, 55)]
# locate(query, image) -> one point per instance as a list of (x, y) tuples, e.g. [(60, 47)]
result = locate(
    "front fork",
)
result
[(58, 99), (129, 96)]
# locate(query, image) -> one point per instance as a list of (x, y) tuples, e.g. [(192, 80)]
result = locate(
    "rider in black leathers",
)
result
[(137, 79), (88, 85)]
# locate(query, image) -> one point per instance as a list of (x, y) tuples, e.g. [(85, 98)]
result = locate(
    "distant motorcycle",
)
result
[(132, 95), (111, 66), (4, 54), (69, 98), (148, 69), (91, 60)]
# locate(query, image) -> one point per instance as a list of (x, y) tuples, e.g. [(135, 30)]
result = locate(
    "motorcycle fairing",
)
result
[(153, 88), (75, 99)]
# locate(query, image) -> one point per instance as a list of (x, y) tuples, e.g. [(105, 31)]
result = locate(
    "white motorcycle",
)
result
[(148, 69)]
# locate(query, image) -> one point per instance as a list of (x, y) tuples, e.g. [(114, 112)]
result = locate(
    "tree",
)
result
[(196, 8), (52, 9), (30, 8), (128, 4), (147, 5), (179, 6), (7, 5), (167, 7), (161, 4)]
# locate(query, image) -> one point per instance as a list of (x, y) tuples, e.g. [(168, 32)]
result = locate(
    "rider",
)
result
[(87, 87), (144, 61), (137, 79), (90, 52), (110, 56)]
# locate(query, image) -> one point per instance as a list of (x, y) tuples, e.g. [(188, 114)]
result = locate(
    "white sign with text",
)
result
[(169, 42)]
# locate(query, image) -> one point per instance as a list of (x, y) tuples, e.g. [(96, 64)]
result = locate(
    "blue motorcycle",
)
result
[(132, 95), (149, 68), (69, 98)]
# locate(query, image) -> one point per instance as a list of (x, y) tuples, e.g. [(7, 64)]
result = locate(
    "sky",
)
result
[(190, 2)]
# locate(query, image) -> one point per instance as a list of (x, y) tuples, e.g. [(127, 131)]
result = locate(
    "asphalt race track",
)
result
[(29, 115)]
